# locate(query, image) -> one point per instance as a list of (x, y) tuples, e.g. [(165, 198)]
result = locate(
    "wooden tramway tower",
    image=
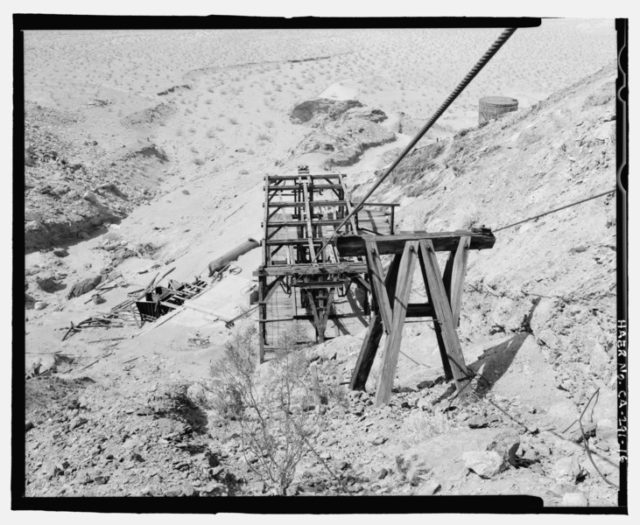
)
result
[(302, 275), (321, 262)]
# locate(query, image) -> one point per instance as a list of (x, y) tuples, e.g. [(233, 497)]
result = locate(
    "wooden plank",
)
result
[(287, 204), (367, 353), (354, 245), (438, 298), (312, 187), (320, 284), (343, 268), (352, 219), (169, 305), (312, 250), (372, 338), (314, 312), (394, 339), (327, 311), (448, 374), (376, 274), (265, 252), (294, 242), (295, 177), (262, 314), (314, 222), (290, 204), (458, 271)]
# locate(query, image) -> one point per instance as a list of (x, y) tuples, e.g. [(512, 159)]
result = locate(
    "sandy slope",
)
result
[(231, 126)]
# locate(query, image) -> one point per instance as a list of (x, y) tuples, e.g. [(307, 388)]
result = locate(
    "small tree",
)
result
[(270, 405)]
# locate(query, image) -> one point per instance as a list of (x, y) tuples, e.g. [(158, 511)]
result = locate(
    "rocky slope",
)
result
[(136, 416), (74, 184)]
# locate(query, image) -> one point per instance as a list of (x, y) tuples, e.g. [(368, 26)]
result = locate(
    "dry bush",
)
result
[(273, 406)]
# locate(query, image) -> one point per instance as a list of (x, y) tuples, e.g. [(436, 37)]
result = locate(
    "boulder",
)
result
[(506, 445), (309, 109), (49, 283), (84, 286), (485, 463), (567, 470)]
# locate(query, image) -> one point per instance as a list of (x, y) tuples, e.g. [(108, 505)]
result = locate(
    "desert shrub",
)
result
[(273, 406)]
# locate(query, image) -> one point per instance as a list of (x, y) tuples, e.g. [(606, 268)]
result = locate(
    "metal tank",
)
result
[(494, 107)]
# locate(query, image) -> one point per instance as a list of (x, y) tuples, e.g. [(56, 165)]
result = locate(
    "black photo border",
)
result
[(495, 504)]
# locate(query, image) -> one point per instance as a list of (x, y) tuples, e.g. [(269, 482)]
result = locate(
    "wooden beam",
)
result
[(327, 311), (314, 312), (262, 314), (456, 283), (314, 222), (374, 332), (290, 204), (352, 221), (295, 177), (354, 245), (394, 339), (450, 349), (307, 207), (312, 187), (294, 241), (376, 274), (367, 353), (341, 268)]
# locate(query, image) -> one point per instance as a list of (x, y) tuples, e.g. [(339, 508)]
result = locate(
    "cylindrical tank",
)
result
[(494, 107), (221, 262)]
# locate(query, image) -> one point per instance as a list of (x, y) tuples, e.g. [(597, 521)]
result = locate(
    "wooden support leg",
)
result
[(374, 333), (262, 315), (454, 276), (376, 275), (442, 310), (367, 353), (316, 318), (325, 315), (392, 344), (457, 278)]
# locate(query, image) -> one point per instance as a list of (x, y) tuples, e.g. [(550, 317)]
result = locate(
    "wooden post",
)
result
[(374, 332), (450, 349), (306, 195), (262, 315), (457, 278), (376, 274), (316, 318), (394, 338)]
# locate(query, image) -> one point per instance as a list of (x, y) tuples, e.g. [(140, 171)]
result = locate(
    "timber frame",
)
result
[(300, 214), (391, 293)]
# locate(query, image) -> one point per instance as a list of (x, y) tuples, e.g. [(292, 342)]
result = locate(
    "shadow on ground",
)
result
[(495, 361)]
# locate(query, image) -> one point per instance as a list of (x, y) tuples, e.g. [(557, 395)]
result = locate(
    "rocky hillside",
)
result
[(554, 276), (143, 416), (75, 184)]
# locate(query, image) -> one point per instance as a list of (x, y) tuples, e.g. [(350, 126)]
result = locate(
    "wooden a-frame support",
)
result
[(391, 307)]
